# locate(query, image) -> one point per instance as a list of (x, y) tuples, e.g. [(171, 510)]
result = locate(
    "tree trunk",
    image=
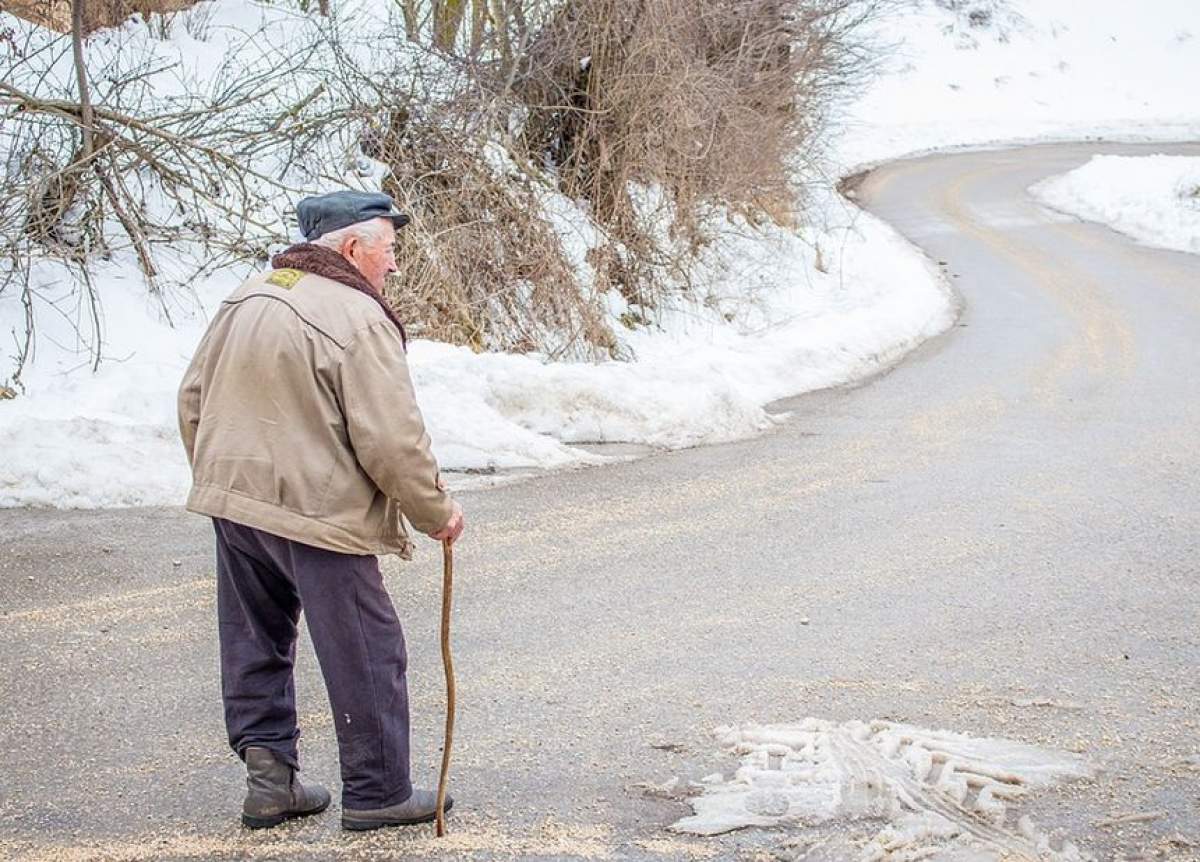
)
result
[(447, 20), (503, 34), (85, 99), (479, 16), (412, 21)]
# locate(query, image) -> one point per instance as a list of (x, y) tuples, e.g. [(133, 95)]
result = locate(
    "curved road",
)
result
[(999, 537)]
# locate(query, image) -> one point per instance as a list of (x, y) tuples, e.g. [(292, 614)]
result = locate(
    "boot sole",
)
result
[(368, 825), (251, 822)]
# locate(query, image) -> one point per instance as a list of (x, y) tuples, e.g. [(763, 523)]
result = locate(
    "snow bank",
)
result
[(699, 379), (1030, 70), (1154, 199), (85, 440)]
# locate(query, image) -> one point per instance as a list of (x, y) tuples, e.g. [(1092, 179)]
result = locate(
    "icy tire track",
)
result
[(940, 793)]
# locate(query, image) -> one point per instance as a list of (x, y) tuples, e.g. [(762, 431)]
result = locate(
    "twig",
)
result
[(1133, 817), (85, 99)]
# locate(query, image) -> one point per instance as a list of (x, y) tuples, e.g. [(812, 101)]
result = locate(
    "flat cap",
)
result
[(324, 213)]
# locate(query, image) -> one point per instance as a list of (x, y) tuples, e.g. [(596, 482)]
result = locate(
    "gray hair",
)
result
[(370, 230)]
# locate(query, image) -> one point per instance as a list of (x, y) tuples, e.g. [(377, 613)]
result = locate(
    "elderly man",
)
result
[(307, 447)]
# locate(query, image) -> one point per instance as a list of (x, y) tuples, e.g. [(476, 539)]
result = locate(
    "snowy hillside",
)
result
[(822, 307), (985, 71)]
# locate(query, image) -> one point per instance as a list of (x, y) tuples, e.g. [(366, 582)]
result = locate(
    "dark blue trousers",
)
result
[(263, 582)]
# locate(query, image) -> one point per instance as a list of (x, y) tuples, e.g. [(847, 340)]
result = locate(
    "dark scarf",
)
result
[(327, 263)]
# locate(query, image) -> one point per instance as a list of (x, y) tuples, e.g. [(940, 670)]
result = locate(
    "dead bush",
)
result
[(56, 14), (480, 265), (659, 115), (714, 103)]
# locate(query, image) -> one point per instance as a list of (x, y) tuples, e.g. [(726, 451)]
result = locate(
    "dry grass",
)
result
[(657, 115), (479, 265), (713, 102), (56, 14)]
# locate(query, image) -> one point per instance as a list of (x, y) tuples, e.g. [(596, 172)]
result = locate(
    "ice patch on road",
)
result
[(942, 795)]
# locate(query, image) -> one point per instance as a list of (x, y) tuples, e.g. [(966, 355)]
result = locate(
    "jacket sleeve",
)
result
[(189, 402), (386, 428)]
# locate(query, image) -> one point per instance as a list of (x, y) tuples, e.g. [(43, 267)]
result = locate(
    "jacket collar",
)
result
[(327, 263)]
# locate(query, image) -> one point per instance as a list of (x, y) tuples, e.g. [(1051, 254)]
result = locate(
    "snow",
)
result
[(1038, 70), (85, 440), (1154, 199), (820, 307), (699, 379), (937, 794)]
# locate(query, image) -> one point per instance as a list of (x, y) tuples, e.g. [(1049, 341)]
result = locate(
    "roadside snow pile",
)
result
[(86, 440), (981, 71), (939, 795), (698, 378), (1154, 199)]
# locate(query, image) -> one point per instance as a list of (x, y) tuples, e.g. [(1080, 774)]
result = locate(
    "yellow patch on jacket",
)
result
[(285, 278)]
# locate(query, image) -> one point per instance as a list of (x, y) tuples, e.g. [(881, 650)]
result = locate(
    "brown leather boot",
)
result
[(273, 794)]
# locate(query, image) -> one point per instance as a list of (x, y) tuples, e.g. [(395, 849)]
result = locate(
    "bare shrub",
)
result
[(56, 14), (480, 265), (128, 171), (659, 116), (709, 101)]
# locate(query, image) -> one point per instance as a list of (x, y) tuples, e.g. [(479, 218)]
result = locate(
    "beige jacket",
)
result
[(298, 416)]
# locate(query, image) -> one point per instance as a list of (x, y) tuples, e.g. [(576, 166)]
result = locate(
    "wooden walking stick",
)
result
[(448, 664)]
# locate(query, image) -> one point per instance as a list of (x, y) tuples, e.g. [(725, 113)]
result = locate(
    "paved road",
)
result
[(998, 537)]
